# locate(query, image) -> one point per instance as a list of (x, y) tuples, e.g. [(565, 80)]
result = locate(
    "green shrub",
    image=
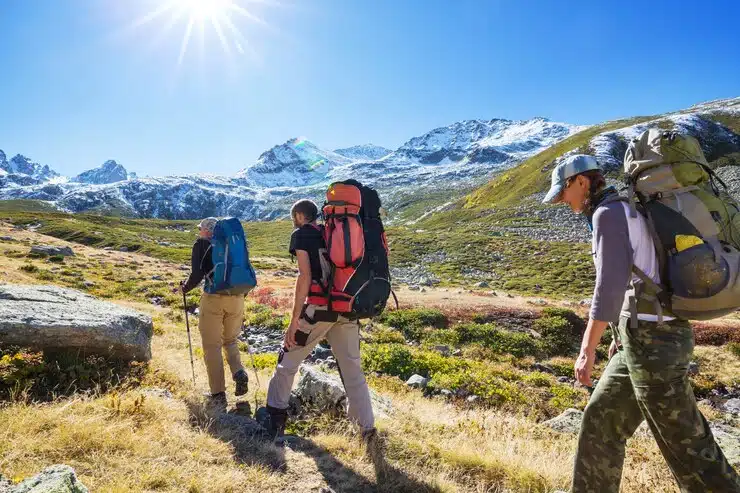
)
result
[(265, 360), (734, 348), (45, 275), (565, 396), (499, 341), (389, 359), (57, 259), (30, 268), (264, 316), (560, 329), (20, 368), (446, 337), (384, 335), (538, 379), (411, 322)]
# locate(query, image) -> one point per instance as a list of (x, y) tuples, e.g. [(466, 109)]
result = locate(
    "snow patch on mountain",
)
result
[(109, 172), (298, 162), (364, 152)]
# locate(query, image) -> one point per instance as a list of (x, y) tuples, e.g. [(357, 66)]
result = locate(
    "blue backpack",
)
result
[(232, 273)]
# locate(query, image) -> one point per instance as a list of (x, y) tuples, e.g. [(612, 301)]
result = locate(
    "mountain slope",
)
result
[(715, 124), (364, 152), (427, 171), (109, 172)]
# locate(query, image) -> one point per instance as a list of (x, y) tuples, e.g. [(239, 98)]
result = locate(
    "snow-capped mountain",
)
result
[(433, 168), (296, 163), (364, 152), (23, 171), (109, 172)]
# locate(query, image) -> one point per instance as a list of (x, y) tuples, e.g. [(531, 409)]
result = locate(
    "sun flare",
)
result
[(199, 15)]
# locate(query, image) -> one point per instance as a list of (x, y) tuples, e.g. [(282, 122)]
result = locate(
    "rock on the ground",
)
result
[(325, 393), (482, 284), (568, 422), (54, 318), (728, 438), (52, 250), (417, 382), (442, 349), (693, 368), (54, 479), (237, 426), (732, 406)]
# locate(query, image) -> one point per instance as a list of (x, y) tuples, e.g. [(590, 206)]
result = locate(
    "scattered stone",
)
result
[(157, 300), (493, 293), (538, 302), (414, 288), (326, 489), (457, 352), (472, 399), (156, 278), (157, 392), (728, 438), (563, 379), (184, 267), (320, 353), (54, 479), (88, 284), (7, 238), (568, 422), (693, 368), (51, 250), (509, 295), (417, 382), (445, 392), (482, 284), (585, 302), (442, 349), (543, 368), (706, 402), (108, 249), (50, 317), (236, 426), (123, 249), (732, 406), (423, 290), (325, 393)]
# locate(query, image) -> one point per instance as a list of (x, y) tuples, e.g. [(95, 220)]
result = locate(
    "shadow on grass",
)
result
[(252, 447)]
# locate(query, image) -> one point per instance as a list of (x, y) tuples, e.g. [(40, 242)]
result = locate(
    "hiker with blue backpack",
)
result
[(221, 259), (666, 253)]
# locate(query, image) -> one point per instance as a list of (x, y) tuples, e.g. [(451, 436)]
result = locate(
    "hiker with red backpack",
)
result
[(663, 254), (221, 259), (343, 277)]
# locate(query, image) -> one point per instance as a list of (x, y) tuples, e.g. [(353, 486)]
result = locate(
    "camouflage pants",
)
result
[(648, 379)]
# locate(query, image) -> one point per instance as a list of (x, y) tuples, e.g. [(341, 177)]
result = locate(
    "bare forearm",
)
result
[(302, 287), (592, 336)]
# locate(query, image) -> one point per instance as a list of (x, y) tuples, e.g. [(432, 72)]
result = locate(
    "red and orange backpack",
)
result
[(356, 281)]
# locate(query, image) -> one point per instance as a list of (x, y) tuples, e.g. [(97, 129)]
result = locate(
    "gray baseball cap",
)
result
[(570, 166), (208, 224)]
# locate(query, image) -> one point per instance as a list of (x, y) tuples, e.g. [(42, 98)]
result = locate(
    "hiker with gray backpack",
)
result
[(220, 258), (666, 253)]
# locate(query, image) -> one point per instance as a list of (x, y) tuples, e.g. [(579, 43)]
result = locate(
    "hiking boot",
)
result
[(276, 426), (241, 379)]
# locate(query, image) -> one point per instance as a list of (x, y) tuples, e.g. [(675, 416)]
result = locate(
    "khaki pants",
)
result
[(221, 318), (344, 337)]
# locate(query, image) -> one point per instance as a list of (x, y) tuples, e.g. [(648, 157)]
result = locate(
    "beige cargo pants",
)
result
[(344, 338), (221, 318)]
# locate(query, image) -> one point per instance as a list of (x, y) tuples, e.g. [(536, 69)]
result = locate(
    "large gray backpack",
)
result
[(695, 225)]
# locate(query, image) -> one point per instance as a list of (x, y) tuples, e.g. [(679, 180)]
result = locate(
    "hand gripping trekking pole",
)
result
[(190, 342)]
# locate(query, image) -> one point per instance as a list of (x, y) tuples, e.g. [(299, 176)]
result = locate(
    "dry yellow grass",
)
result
[(129, 443)]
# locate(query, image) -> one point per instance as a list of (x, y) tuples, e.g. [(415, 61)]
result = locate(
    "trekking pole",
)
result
[(190, 342), (254, 368)]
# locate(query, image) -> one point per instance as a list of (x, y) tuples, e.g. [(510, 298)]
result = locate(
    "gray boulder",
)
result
[(568, 422), (52, 250), (732, 406), (54, 479), (728, 438), (53, 318), (417, 382), (324, 392)]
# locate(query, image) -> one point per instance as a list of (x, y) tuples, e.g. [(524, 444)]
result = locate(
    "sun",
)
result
[(202, 10), (199, 15)]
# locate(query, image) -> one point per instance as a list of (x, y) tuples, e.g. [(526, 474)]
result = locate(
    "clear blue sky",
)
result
[(78, 88)]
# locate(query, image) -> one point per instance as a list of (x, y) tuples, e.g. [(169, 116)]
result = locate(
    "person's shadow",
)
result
[(251, 447)]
